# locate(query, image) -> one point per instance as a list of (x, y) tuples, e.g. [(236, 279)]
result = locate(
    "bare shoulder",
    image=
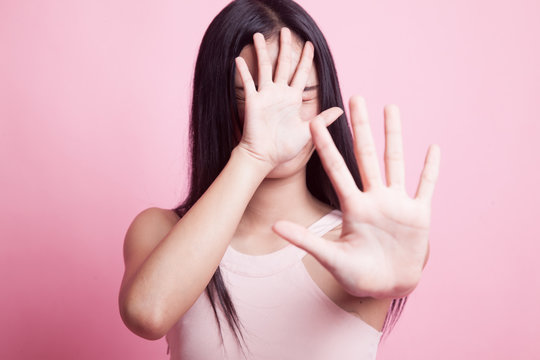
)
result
[(150, 225), (370, 310), (156, 216), (144, 233)]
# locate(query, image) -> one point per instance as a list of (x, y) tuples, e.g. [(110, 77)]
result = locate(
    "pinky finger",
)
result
[(247, 80), (430, 173)]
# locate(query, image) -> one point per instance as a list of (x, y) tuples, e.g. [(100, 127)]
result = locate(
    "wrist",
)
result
[(261, 166)]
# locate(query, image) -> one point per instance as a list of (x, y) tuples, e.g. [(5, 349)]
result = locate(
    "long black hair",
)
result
[(214, 113)]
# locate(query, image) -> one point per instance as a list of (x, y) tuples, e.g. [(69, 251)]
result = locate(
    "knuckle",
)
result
[(336, 164), (394, 155), (366, 150), (324, 145), (264, 61)]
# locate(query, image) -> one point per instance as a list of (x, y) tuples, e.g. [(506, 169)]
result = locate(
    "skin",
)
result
[(259, 203), (309, 107), (284, 190), (383, 244)]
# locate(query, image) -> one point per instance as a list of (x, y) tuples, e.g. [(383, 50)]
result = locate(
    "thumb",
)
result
[(328, 116), (321, 249)]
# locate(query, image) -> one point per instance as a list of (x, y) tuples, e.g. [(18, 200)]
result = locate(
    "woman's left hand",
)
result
[(383, 245)]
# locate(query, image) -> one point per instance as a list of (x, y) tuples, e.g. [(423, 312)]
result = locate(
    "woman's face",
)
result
[(310, 97)]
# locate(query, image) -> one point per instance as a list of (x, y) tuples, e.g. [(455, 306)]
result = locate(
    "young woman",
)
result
[(288, 235)]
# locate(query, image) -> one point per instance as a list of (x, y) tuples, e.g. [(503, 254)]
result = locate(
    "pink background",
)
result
[(94, 105)]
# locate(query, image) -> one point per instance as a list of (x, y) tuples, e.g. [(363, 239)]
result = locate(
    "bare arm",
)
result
[(169, 263), (161, 283)]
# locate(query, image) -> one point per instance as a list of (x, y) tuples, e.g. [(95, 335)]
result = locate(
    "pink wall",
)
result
[(93, 106)]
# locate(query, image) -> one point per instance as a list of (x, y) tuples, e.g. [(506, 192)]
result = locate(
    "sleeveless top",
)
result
[(283, 313)]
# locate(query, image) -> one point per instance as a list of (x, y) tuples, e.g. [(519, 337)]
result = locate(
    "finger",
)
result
[(320, 248), (301, 74), (393, 151), (263, 60), (328, 116), (245, 75), (284, 60), (430, 173), (364, 147), (332, 161)]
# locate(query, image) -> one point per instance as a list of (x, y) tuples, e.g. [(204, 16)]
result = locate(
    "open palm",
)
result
[(384, 239), (274, 131)]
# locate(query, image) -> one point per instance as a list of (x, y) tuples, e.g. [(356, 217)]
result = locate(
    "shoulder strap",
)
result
[(327, 222)]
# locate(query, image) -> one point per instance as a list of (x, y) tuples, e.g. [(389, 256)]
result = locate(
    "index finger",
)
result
[(331, 159)]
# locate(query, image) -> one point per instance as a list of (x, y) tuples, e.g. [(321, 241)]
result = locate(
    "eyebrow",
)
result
[(307, 88)]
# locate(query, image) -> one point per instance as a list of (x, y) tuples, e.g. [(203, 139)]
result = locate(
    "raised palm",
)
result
[(384, 239), (273, 128)]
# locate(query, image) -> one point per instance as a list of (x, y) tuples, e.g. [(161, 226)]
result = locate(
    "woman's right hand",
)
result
[(274, 131)]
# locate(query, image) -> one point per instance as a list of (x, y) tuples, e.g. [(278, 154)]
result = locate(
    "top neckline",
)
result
[(276, 261)]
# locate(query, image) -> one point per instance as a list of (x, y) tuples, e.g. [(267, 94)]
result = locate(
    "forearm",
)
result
[(182, 264)]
